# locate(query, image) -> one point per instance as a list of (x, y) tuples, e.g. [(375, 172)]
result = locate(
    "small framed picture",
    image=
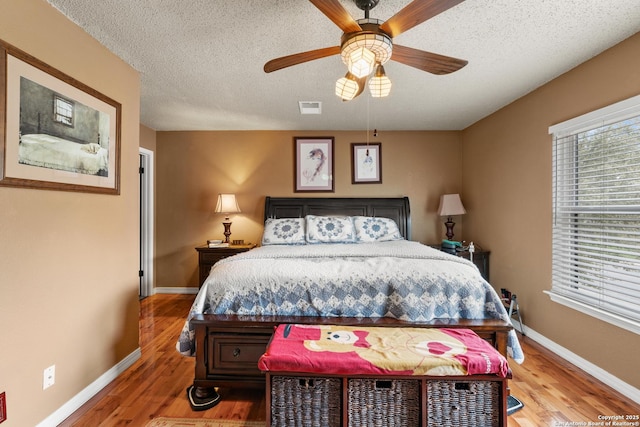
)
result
[(366, 163), (314, 164)]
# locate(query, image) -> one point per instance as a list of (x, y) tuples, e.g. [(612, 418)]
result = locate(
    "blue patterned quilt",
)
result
[(399, 279)]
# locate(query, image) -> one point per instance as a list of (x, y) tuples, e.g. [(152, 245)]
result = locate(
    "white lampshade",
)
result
[(347, 87), (227, 204), (379, 84), (450, 204)]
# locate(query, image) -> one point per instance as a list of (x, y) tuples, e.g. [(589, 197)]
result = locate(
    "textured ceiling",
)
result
[(200, 61)]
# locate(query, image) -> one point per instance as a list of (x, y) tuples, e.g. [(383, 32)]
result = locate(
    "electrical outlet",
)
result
[(49, 377), (3, 407)]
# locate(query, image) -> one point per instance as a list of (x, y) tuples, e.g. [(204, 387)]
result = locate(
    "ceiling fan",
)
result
[(367, 45)]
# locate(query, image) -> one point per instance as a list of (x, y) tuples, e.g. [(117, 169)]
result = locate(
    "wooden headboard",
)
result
[(396, 208)]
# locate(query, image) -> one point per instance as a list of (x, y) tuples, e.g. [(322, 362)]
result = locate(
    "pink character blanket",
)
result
[(347, 350)]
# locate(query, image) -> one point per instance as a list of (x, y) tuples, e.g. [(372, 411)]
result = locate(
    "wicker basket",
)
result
[(463, 403), (305, 401), (383, 402)]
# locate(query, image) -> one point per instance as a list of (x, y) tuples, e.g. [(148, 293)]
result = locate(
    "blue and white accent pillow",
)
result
[(283, 231), (374, 229), (330, 229)]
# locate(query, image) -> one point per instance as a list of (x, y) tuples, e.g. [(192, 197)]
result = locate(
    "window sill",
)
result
[(619, 321)]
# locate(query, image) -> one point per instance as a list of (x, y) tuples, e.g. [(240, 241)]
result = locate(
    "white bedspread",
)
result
[(399, 279)]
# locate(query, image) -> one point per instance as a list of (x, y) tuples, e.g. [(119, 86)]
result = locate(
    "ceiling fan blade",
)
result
[(299, 58), (426, 61), (338, 14), (415, 13)]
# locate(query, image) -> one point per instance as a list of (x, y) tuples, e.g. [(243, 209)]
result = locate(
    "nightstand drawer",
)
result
[(236, 354), (213, 257)]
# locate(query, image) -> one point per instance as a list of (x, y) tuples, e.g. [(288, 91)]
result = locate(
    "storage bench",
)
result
[(348, 376)]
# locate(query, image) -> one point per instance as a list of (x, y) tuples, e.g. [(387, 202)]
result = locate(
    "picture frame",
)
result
[(366, 163), (314, 164), (56, 133)]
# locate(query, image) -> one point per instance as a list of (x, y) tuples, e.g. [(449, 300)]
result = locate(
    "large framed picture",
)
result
[(314, 164), (55, 132), (366, 163)]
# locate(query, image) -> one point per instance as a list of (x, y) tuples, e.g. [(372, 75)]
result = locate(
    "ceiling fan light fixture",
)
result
[(361, 62), (379, 84), (363, 36), (378, 43), (347, 87)]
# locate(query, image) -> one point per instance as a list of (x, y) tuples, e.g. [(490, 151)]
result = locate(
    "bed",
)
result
[(301, 276)]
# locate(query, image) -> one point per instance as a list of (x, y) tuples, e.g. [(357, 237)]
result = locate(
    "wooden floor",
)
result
[(553, 391)]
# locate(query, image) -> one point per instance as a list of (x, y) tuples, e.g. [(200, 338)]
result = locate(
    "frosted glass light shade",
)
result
[(378, 43), (380, 84), (347, 87), (361, 62)]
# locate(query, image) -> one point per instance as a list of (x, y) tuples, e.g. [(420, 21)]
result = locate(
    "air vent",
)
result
[(310, 107)]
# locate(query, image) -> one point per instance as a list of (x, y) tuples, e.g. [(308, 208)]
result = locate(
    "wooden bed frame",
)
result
[(228, 346)]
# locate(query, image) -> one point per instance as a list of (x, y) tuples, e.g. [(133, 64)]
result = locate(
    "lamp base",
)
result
[(449, 224), (227, 231)]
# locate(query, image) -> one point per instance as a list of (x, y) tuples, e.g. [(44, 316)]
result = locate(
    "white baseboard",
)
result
[(176, 291), (91, 390), (611, 380)]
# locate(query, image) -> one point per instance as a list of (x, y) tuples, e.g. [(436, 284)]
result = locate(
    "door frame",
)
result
[(146, 222)]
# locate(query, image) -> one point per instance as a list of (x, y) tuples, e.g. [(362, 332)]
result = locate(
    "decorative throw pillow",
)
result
[(283, 231), (375, 229), (330, 229)]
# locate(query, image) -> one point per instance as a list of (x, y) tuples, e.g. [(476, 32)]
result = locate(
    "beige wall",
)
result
[(68, 261), (195, 166), (507, 191), (147, 138)]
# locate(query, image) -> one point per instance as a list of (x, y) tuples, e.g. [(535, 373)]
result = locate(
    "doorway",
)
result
[(146, 223)]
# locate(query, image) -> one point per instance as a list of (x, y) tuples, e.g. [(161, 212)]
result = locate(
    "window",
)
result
[(63, 111), (596, 214)]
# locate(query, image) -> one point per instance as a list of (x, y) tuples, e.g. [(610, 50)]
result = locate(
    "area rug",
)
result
[(199, 422)]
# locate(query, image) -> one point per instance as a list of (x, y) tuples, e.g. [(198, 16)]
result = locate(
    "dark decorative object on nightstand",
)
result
[(227, 204), (450, 205)]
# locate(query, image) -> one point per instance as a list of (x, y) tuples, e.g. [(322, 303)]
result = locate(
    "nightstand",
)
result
[(208, 256), (480, 259)]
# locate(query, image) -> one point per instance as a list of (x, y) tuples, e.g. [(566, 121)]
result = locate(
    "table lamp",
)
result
[(227, 204), (450, 205)]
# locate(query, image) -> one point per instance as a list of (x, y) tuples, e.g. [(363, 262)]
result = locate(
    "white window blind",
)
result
[(596, 213)]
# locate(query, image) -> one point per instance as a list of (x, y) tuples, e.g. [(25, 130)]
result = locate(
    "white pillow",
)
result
[(375, 229), (330, 229), (283, 231)]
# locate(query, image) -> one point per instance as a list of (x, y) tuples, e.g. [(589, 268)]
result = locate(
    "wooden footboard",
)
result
[(228, 346)]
